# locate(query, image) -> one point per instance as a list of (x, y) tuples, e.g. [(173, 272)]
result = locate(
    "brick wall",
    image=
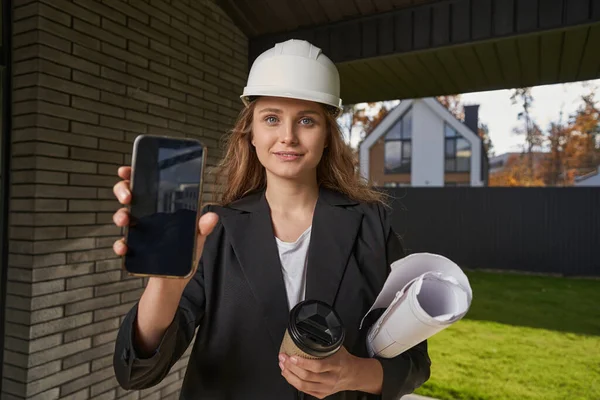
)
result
[(89, 76)]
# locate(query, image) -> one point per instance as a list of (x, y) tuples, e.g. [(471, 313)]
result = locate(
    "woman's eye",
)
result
[(271, 120), (306, 121)]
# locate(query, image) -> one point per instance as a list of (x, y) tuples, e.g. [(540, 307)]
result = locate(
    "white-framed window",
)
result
[(457, 151), (398, 145)]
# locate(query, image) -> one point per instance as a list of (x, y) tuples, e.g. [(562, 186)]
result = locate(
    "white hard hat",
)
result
[(295, 69)]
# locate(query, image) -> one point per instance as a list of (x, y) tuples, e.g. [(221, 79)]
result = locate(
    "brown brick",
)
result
[(112, 12), (83, 394), (88, 355), (108, 265), (110, 145), (100, 108), (167, 113), (122, 124), (57, 164), (99, 58), (48, 260), (49, 233), (97, 131), (25, 11), (64, 192), (68, 87), (47, 314), (37, 177), (143, 5), (76, 11), (54, 15), (103, 338), (38, 205), (112, 312), (106, 242), (99, 83), (88, 380), (148, 75), (93, 180), (41, 65), (188, 68), (132, 295), (15, 373), (187, 88), (38, 289), (186, 108), (123, 101), (48, 246), (91, 329), (202, 104), (95, 231), (48, 135), (190, 12), (92, 304), (139, 94), (57, 379), (63, 271), (110, 395), (169, 10), (148, 32), (43, 121), (125, 79), (102, 362), (124, 55), (99, 33), (18, 359), (60, 325), (103, 290), (168, 50), (93, 280), (104, 386), (40, 93), (124, 32), (21, 247), (146, 118), (126, 9), (68, 33), (68, 61), (90, 255), (17, 330), (194, 130), (104, 193), (51, 394), (95, 155), (44, 149), (62, 219), (167, 29), (61, 298)]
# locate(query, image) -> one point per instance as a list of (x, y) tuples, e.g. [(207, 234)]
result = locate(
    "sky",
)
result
[(497, 111)]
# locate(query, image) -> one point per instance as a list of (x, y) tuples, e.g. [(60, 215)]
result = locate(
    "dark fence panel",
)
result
[(544, 230)]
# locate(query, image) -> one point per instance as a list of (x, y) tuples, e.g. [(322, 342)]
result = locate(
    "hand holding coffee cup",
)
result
[(315, 331)]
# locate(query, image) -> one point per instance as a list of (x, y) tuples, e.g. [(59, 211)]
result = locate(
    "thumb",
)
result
[(207, 223)]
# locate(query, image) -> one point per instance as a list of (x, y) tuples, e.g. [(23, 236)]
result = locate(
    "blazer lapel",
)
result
[(332, 239), (253, 242)]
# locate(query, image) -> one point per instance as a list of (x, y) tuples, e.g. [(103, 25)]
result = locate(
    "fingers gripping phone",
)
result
[(166, 192)]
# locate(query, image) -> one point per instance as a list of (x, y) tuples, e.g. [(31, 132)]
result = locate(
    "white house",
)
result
[(420, 143)]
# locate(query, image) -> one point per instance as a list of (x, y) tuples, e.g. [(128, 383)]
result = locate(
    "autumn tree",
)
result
[(453, 104), (534, 137), (484, 133), (516, 172), (582, 148)]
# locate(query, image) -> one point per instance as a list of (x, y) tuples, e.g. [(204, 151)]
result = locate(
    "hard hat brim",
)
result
[(269, 91)]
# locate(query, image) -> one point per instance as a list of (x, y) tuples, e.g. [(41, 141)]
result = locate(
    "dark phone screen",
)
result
[(166, 185)]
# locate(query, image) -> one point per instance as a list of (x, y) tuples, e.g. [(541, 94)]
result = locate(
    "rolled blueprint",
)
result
[(424, 294)]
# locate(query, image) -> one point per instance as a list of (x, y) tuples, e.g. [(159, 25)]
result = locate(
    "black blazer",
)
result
[(237, 299)]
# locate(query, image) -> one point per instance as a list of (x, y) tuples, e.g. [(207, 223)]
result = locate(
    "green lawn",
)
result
[(525, 337)]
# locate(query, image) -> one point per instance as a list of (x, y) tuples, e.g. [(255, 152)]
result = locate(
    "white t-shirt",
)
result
[(293, 263)]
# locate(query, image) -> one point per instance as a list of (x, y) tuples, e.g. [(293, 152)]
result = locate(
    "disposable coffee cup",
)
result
[(314, 331)]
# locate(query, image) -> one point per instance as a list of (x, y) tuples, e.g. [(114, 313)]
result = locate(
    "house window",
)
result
[(398, 145), (457, 151)]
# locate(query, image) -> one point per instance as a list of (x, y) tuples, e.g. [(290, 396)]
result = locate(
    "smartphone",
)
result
[(166, 192)]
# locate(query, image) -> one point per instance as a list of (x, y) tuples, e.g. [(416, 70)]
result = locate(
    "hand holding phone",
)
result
[(162, 191), (121, 218)]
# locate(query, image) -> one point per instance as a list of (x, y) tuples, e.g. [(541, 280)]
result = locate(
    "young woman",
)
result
[(294, 222)]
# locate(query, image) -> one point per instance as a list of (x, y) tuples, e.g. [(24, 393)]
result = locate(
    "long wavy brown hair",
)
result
[(241, 172)]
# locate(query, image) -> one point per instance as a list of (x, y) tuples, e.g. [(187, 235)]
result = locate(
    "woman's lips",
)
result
[(287, 156)]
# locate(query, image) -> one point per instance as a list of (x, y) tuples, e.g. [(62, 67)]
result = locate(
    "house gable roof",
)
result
[(390, 119)]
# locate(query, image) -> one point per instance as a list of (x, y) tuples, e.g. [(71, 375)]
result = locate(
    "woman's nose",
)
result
[(288, 133)]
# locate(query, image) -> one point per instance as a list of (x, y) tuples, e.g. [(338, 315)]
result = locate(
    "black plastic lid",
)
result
[(316, 328)]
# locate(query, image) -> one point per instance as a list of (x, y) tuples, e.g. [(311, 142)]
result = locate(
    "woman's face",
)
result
[(289, 136)]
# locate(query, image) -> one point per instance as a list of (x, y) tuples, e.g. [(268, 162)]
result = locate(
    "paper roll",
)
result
[(424, 294)]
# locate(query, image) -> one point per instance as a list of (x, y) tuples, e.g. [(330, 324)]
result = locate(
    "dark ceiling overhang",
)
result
[(435, 47)]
